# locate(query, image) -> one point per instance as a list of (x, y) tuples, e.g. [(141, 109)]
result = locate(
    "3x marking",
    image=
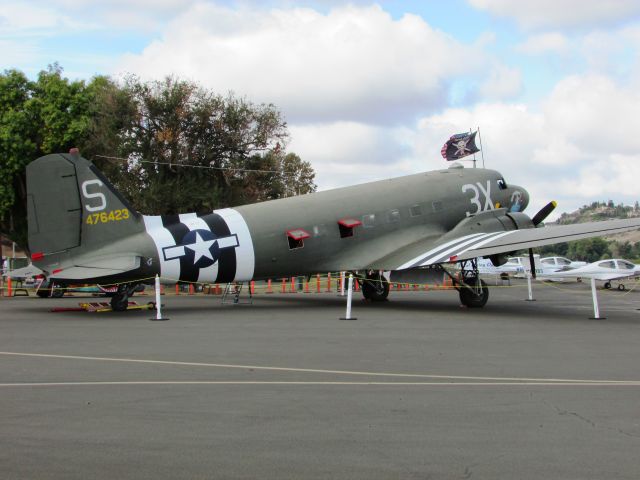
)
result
[(478, 192)]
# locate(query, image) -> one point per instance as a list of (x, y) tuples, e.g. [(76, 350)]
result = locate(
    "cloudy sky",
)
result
[(372, 90)]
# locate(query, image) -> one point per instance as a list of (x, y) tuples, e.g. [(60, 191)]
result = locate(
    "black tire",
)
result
[(607, 285), (375, 288), (49, 290), (621, 287), (119, 303), (474, 297), (43, 292), (57, 293)]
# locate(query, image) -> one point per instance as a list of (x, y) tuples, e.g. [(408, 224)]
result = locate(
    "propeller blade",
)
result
[(544, 212)]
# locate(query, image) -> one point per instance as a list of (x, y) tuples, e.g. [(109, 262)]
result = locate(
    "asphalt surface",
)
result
[(415, 388)]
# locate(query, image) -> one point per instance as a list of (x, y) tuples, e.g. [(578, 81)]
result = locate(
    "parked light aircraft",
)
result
[(543, 266), (603, 270), (486, 267), (82, 230), (561, 263)]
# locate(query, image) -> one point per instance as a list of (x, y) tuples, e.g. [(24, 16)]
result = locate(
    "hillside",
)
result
[(598, 211)]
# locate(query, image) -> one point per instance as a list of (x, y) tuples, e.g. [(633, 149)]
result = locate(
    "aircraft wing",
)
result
[(450, 248)]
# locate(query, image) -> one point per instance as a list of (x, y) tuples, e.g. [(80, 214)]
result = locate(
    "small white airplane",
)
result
[(544, 266), (486, 267), (561, 263), (602, 270)]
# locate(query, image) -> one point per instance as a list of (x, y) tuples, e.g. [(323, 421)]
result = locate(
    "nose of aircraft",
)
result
[(519, 199)]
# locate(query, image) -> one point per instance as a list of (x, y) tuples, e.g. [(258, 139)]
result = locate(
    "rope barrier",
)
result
[(291, 285)]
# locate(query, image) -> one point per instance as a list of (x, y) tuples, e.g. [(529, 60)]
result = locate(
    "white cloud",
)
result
[(344, 153), (595, 113), (353, 63), (554, 42), (503, 83), (581, 147), (559, 14), (16, 18)]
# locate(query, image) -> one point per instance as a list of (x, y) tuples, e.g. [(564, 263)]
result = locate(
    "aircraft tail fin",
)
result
[(72, 206)]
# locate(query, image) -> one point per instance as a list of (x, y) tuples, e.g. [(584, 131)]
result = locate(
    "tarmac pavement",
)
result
[(417, 387)]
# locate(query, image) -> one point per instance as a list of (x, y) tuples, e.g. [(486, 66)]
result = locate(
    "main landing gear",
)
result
[(473, 291), (120, 299), (375, 287), (49, 289)]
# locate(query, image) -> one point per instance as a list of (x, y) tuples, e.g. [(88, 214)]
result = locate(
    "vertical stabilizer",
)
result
[(73, 207)]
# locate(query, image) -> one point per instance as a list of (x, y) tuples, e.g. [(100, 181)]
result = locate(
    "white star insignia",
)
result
[(201, 248)]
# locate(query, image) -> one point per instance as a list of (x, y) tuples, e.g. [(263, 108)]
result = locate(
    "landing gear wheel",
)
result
[(375, 288), (57, 292), (475, 294), (42, 293), (607, 285), (50, 290), (621, 287), (119, 303)]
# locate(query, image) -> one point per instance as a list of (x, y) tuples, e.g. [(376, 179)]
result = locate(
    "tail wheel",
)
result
[(119, 303), (375, 287), (57, 292), (475, 293)]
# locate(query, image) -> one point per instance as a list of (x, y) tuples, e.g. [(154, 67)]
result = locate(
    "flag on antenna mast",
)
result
[(460, 145)]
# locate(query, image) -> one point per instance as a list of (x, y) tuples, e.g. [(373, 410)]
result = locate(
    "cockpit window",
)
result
[(623, 264), (502, 185)]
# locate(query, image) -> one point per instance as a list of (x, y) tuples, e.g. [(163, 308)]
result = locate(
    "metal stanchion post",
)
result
[(530, 299), (349, 297), (158, 302)]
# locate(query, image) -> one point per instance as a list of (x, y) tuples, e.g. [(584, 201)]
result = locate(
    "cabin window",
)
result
[(415, 210), (609, 264), (502, 185), (393, 216), (437, 206), (369, 221), (347, 225), (296, 238)]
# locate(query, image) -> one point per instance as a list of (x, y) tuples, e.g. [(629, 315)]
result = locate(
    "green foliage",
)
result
[(188, 149), (589, 249), (177, 147), (50, 114)]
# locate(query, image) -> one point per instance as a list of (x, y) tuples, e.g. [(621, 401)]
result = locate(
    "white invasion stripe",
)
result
[(169, 269), (245, 256), (413, 262), (444, 256), (193, 222), (484, 242)]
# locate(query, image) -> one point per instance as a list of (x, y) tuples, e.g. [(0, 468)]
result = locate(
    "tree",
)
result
[(38, 117), (589, 249), (188, 149), (174, 146)]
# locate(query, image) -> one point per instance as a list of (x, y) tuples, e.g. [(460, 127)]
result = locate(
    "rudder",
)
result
[(71, 205)]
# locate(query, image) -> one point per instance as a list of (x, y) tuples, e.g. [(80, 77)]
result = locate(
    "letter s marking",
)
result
[(100, 195)]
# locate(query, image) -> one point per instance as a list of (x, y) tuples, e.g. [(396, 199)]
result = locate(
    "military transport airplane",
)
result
[(82, 230)]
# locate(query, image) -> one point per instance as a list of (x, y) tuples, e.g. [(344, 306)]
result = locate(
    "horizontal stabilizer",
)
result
[(99, 267)]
